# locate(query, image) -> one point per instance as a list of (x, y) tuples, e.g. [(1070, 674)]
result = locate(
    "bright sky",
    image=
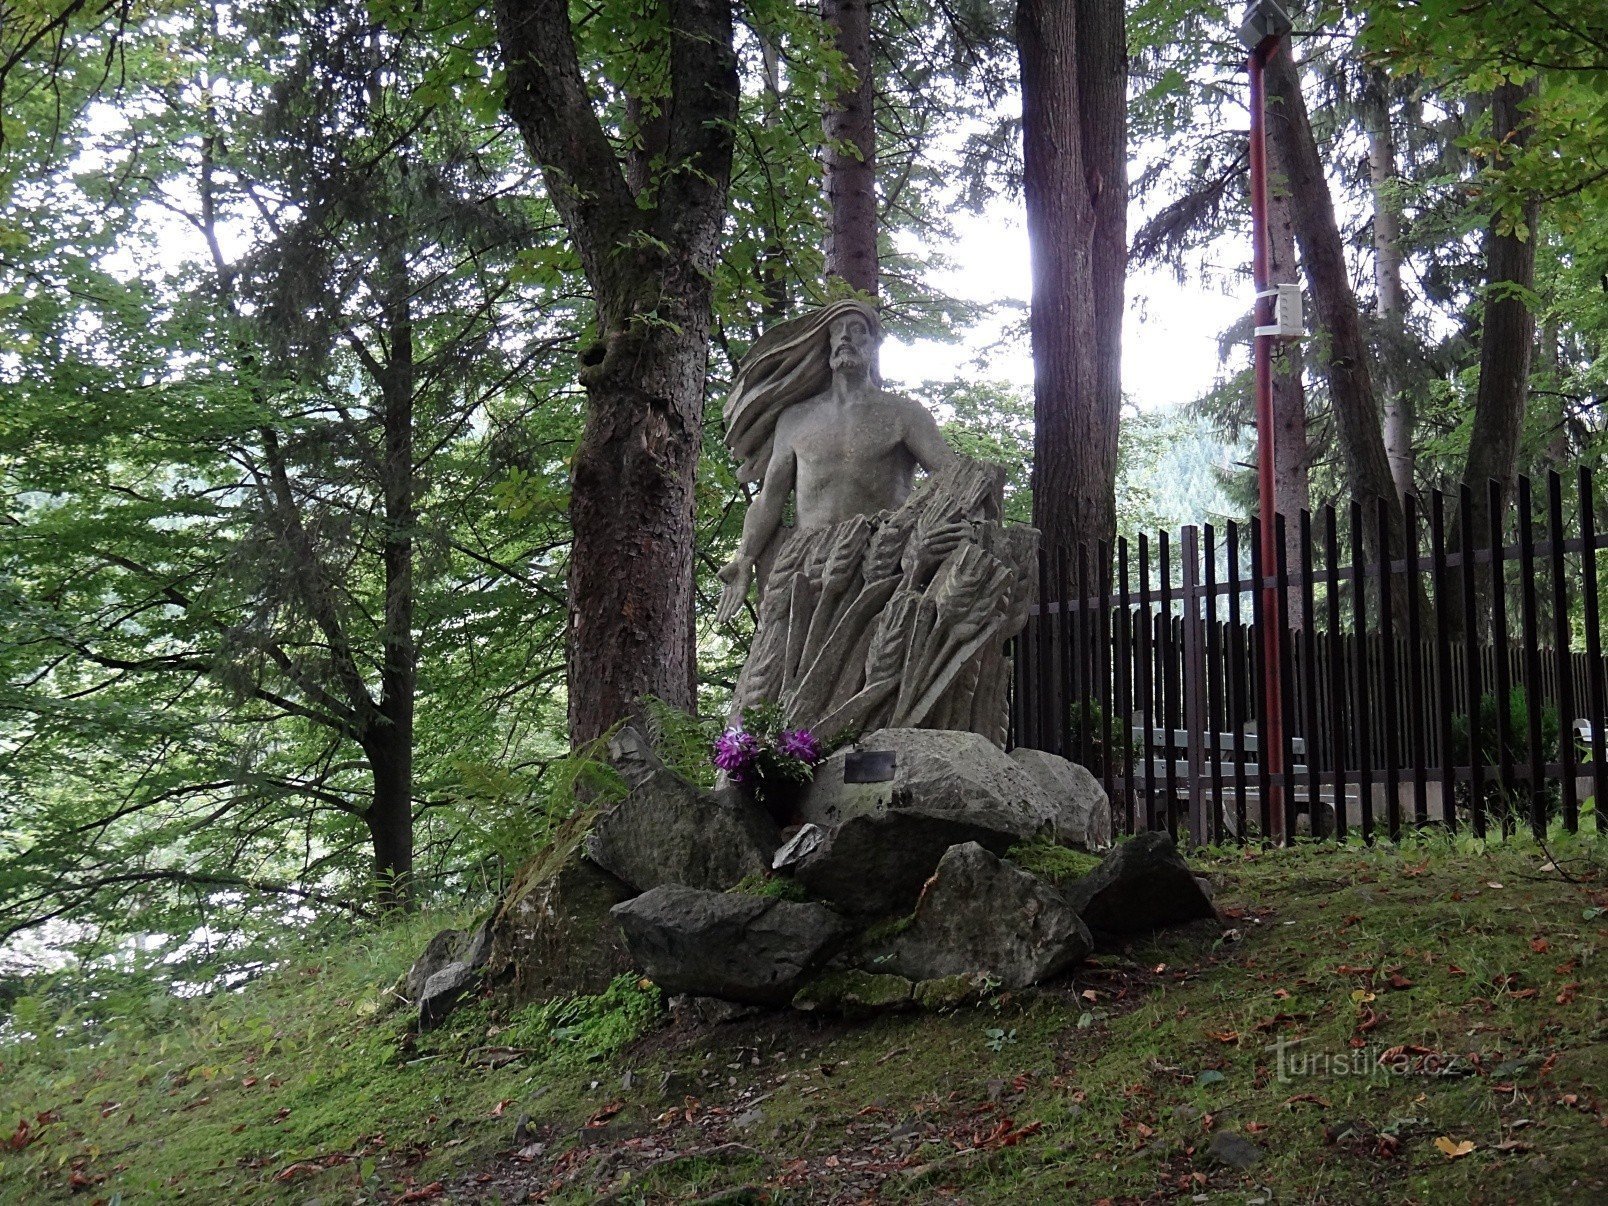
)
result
[(1169, 335)]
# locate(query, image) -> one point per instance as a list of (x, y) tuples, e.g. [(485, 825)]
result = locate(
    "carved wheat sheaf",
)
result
[(876, 622)]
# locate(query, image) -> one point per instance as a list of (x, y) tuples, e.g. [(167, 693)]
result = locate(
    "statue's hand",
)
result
[(736, 574)]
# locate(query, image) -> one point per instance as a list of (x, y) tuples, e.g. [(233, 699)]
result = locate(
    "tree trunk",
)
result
[(631, 506), (650, 267), (1074, 140), (772, 268), (1382, 176), (1356, 409), (1292, 458), (851, 151), (1507, 331), (390, 812)]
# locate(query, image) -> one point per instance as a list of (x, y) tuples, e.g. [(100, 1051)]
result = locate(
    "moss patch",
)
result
[(1052, 863), (774, 887), (855, 993)]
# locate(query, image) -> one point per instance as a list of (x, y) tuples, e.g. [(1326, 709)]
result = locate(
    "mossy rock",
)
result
[(552, 935), (855, 994), (952, 992)]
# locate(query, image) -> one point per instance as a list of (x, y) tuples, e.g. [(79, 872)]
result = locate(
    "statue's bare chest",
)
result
[(850, 435)]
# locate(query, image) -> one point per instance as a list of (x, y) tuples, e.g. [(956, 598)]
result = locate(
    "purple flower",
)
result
[(735, 751), (801, 744)]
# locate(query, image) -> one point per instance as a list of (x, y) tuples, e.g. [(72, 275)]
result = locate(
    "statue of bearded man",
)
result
[(808, 416), (889, 601)]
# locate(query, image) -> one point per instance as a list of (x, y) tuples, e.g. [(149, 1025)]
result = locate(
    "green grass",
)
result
[(1109, 1084)]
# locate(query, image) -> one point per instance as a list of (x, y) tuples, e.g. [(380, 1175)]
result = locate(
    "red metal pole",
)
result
[(1270, 738)]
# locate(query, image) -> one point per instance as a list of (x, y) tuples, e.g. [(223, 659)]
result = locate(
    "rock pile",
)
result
[(895, 893)]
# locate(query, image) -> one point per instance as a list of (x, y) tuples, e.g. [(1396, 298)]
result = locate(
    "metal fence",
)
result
[(1422, 685)]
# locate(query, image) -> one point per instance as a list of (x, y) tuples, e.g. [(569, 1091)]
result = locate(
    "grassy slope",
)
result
[(1108, 1085)]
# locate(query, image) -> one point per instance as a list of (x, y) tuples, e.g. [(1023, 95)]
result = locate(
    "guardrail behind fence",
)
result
[(1441, 661)]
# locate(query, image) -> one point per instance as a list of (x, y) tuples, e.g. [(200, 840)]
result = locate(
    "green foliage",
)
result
[(1086, 729), (682, 741), (586, 1029), (1485, 744)]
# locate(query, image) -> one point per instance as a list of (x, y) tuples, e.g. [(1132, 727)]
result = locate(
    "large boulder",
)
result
[(552, 935), (1082, 810), (981, 915), (669, 831), (880, 841), (1140, 886), (955, 776), (757, 949)]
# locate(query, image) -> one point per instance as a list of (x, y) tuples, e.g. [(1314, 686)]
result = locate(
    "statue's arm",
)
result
[(925, 441), (759, 525)]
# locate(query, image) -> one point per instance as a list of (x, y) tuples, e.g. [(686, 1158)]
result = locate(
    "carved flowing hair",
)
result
[(789, 363)]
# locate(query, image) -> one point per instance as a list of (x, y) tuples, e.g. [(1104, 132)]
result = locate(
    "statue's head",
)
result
[(853, 338)]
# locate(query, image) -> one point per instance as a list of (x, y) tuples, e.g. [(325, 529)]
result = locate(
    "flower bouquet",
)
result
[(770, 764)]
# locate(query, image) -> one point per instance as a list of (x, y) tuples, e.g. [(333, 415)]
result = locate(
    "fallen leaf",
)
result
[(1566, 994), (1493, 884), (1453, 970), (1311, 1097), (1454, 1149), (1224, 1036), (497, 1110), (424, 1193)]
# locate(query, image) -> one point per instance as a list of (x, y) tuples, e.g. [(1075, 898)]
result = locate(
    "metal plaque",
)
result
[(870, 766)]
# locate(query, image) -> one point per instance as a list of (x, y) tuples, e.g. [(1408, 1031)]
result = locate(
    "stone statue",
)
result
[(888, 602)]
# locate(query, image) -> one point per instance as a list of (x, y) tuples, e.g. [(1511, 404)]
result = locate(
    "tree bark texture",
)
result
[(1507, 331), (851, 152), (1292, 457), (631, 502), (1382, 176), (1074, 143), (1345, 362)]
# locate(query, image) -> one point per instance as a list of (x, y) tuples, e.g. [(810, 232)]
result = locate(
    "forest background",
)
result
[(360, 456)]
